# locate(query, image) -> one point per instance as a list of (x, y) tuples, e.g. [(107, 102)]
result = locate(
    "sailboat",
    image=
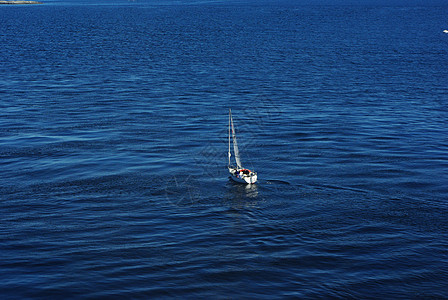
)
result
[(238, 173)]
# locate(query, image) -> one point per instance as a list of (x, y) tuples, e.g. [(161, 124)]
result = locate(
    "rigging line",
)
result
[(230, 116)]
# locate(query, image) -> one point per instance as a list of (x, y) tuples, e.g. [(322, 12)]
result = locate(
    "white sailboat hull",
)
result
[(236, 176)]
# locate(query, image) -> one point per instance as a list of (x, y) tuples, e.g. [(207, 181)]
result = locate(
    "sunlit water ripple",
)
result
[(113, 141)]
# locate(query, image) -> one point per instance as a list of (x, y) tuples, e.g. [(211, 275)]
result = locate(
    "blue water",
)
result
[(113, 150)]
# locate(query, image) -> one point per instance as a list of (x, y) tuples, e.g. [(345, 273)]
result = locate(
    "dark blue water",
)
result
[(113, 150)]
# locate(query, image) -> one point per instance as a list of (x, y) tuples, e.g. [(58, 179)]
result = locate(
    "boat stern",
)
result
[(251, 178)]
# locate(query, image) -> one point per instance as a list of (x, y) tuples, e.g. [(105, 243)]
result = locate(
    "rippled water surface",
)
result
[(113, 150)]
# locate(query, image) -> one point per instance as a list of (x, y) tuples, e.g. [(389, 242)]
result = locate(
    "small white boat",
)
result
[(238, 173), (445, 31)]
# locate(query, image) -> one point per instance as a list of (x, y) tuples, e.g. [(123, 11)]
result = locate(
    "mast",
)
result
[(235, 145), (230, 116)]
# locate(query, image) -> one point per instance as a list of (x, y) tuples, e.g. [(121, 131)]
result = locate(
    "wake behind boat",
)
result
[(238, 173)]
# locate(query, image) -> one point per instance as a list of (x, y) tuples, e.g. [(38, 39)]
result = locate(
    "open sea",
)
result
[(113, 150)]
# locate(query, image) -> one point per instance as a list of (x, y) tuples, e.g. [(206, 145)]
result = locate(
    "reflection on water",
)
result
[(189, 190), (242, 195)]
